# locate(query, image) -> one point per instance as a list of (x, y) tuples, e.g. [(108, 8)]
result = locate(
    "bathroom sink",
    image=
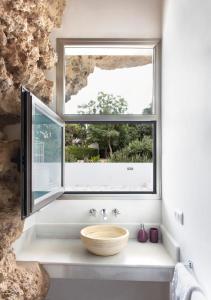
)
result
[(104, 240)]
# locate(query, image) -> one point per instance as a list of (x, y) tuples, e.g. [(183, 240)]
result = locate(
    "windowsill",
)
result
[(70, 196)]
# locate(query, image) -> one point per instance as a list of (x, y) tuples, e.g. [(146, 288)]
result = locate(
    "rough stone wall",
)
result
[(79, 67), (25, 54), (25, 49)]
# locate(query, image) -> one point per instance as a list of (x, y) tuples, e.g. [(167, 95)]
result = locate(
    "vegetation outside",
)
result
[(103, 142)]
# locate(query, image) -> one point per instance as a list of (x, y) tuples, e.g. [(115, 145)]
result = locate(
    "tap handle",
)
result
[(92, 212), (115, 212)]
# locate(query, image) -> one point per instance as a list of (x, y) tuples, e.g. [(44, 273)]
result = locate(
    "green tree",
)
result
[(73, 132), (105, 135), (105, 104), (117, 142)]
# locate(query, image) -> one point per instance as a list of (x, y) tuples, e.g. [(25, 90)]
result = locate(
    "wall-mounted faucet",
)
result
[(104, 213)]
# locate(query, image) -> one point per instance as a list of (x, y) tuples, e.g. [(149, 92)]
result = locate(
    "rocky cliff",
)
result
[(78, 68), (25, 54)]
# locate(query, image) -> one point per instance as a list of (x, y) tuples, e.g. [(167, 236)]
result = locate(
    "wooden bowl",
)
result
[(104, 240)]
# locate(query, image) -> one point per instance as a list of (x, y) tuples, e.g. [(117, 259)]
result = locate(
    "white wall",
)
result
[(109, 176), (114, 19), (77, 211), (110, 19), (186, 117)]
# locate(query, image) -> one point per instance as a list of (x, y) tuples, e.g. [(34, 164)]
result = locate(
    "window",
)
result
[(46, 153), (110, 157), (41, 154), (121, 74), (108, 95), (106, 138)]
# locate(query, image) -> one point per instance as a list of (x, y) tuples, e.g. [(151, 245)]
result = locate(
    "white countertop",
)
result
[(67, 258)]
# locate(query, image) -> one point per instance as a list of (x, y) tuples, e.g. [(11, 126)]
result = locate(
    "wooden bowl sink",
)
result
[(104, 240)]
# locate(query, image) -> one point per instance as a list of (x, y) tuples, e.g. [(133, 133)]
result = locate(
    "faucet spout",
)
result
[(104, 214)]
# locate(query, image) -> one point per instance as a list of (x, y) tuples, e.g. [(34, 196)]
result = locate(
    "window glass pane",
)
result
[(116, 80), (110, 157), (46, 155)]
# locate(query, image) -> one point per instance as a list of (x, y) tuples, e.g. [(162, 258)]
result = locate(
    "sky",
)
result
[(135, 85)]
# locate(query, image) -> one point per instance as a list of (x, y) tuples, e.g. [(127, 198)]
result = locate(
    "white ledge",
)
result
[(67, 258)]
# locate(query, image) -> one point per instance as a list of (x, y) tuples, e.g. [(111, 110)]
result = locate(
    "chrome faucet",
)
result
[(104, 213)]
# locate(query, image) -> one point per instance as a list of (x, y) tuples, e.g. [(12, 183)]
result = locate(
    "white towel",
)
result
[(183, 283), (198, 295)]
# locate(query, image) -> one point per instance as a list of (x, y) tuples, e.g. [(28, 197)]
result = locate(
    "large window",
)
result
[(105, 140), (110, 157), (108, 95), (42, 146)]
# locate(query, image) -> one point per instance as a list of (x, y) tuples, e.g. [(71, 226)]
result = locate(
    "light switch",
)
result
[(179, 216)]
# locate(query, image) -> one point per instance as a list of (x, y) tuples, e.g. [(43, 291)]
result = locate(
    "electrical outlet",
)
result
[(179, 216)]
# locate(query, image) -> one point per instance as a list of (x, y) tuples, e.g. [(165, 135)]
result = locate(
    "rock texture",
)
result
[(23, 280), (25, 54), (17, 282), (25, 49), (79, 67)]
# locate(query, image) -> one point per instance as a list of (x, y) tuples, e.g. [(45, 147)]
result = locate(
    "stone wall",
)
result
[(25, 54)]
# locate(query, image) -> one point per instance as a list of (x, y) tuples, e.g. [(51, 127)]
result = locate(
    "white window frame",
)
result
[(156, 116)]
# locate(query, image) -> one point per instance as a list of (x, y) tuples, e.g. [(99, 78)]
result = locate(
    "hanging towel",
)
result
[(198, 295), (183, 283)]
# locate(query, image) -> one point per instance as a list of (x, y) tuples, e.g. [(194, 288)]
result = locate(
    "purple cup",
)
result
[(153, 235)]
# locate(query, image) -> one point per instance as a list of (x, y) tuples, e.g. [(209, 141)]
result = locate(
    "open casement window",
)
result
[(42, 144), (106, 139)]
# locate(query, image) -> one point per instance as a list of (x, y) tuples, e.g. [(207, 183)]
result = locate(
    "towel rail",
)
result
[(189, 265)]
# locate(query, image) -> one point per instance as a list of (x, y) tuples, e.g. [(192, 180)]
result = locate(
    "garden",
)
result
[(108, 142)]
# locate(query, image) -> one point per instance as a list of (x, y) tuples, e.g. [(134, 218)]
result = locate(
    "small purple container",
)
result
[(142, 235), (153, 235)]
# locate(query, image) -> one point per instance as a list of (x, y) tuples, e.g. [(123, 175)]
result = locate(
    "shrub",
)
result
[(121, 156), (74, 153), (68, 156), (135, 151), (94, 159)]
